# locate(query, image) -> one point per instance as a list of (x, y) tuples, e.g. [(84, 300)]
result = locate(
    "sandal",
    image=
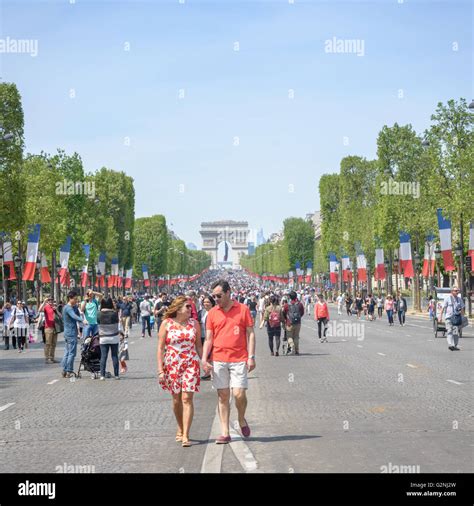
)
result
[(179, 437), (186, 443)]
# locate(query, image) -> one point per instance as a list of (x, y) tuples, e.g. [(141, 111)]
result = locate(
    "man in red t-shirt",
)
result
[(230, 338), (50, 334)]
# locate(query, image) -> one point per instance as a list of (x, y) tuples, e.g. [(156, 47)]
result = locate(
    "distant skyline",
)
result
[(230, 110)]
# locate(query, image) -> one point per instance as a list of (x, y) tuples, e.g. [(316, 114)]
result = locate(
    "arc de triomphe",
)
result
[(233, 232)]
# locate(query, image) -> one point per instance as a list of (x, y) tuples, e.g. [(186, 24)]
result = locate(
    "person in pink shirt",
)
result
[(389, 307), (321, 315)]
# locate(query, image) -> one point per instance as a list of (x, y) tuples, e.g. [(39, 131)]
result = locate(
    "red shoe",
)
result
[(245, 430), (223, 440)]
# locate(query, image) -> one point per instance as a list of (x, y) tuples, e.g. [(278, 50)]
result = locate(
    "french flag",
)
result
[(332, 268), (128, 279), (84, 274), (101, 264), (8, 259), (113, 273), (146, 281), (119, 283), (445, 239), (429, 259), (361, 267), (379, 264), (346, 269), (45, 275), (31, 254), (406, 263), (64, 253), (471, 243)]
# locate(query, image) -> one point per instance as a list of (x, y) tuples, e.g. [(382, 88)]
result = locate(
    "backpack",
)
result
[(456, 318), (294, 313), (274, 319)]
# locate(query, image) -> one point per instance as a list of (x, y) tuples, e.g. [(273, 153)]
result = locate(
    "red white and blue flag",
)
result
[(64, 253), (429, 259), (31, 254), (119, 282), (128, 279), (146, 280), (113, 273), (8, 259), (332, 268), (361, 267), (406, 263), (84, 274), (101, 276), (346, 269), (379, 264), (45, 275), (445, 239)]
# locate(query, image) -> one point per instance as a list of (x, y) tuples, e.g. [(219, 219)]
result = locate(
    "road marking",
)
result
[(133, 342), (382, 354), (412, 366), (6, 406), (52, 382), (212, 461), (359, 346), (420, 326), (242, 451), (455, 382), (344, 340)]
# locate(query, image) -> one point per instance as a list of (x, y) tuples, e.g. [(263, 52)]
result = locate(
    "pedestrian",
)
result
[(7, 312), (453, 307), (389, 306), (20, 321), (371, 307), (125, 315), (231, 337), (123, 353), (431, 307), (253, 304), (90, 309), (160, 308), (178, 366), (348, 301), (339, 300), (358, 305), (207, 304), (145, 312), (401, 308), (50, 334), (273, 318), (307, 302), (321, 315), (70, 318), (293, 313), (109, 338), (134, 311), (380, 304)]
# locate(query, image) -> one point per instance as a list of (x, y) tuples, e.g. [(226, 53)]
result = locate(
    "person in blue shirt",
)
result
[(70, 318)]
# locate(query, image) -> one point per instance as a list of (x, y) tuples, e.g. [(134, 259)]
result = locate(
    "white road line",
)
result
[(420, 326), (133, 342), (212, 461), (359, 346), (52, 382), (412, 366), (430, 339), (242, 451), (382, 354), (344, 340), (455, 382), (6, 406)]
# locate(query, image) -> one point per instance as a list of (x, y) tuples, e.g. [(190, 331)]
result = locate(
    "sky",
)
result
[(230, 109)]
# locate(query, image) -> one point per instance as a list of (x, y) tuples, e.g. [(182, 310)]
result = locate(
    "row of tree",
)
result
[(368, 202), (95, 208)]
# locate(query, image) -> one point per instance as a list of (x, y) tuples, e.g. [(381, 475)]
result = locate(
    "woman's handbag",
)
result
[(12, 321)]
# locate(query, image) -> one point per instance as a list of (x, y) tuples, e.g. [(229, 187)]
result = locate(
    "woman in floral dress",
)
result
[(178, 366)]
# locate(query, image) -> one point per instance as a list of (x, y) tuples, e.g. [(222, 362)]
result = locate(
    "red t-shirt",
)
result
[(229, 332), (48, 317)]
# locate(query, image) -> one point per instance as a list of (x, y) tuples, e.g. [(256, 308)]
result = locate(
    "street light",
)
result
[(17, 262), (438, 256), (471, 105)]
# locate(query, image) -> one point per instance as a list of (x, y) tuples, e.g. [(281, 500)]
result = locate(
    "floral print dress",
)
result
[(181, 367)]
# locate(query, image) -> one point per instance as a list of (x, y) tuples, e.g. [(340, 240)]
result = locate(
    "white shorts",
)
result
[(229, 375)]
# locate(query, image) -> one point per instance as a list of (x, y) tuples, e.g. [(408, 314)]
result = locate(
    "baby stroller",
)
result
[(90, 357)]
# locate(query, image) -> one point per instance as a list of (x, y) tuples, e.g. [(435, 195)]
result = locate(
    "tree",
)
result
[(299, 239), (151, 244)]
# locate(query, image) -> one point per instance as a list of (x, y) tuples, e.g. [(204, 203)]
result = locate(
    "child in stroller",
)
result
[(90, 357)]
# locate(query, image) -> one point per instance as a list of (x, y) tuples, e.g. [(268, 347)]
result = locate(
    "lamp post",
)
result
[(39, 294), (17, 261), (416, 284), (395, 266), (438, 256), (459, 255), (58, 274)]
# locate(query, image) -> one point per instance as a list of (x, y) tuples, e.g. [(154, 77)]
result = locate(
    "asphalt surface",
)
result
[(373, 396)]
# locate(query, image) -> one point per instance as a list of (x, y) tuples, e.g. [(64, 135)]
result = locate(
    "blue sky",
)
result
[(182, 153)]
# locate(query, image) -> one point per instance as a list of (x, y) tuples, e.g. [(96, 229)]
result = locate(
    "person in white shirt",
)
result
[(145, 312), (339, 300), (453, 307)]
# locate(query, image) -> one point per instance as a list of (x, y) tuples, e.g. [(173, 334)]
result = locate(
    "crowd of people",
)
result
[(205, 332)]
